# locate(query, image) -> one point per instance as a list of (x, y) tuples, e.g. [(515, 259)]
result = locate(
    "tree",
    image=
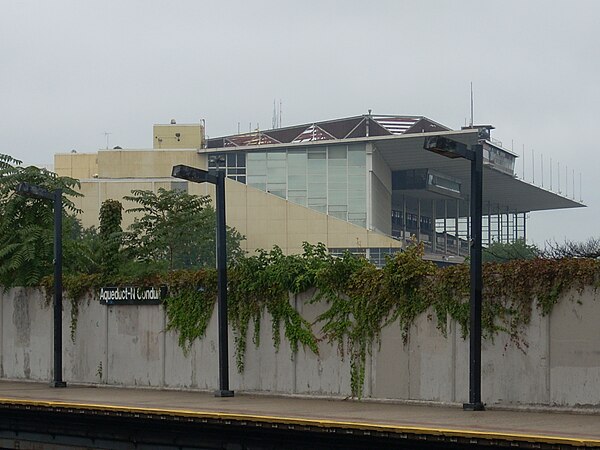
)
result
[(570, 249), (110, 236), (26, 224), (502, 252), (177, 229)]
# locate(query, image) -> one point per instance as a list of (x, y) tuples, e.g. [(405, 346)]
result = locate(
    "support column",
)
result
[(469, 224), (457, 232), (433, 226), (499, 220), (445, 226), (404, 218), (418, 220), (489, 220)]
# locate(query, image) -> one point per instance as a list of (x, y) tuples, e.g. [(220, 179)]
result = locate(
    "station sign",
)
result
[(132, 295)]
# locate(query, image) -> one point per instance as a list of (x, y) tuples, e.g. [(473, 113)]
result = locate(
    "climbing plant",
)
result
[(358, 299), (190, 304), (363, 299), (263, 283), (111, 215)]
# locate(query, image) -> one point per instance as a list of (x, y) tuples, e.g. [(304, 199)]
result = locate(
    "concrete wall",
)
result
[(380, 180), (264, 219), (559, 363)]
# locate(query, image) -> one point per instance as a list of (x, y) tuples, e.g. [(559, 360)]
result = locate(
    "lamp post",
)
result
[(452, 149), (218, 179), (33, 191)]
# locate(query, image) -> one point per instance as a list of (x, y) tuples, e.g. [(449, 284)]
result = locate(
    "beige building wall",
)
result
[(76, 165), (380, 180), (145, 163), (178, 136), (264, 219), (125, 163)]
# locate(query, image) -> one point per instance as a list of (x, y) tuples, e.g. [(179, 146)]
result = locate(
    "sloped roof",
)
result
[(345, 128)]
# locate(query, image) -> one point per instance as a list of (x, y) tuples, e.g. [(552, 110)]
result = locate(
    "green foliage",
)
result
[(177, 231), (26, 224), (361, 299), (364, 299), (502, 252), (110, 236), (177, 228), (262, 283), (190, 304)]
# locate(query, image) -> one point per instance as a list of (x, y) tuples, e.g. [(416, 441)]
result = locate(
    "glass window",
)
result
[(298, 197), (256, 164), (253, 179), (256, 156), (316, 166), (276, 174), (231, 160), (277, 155), (275, 186), (317, 153), (357, 155), (336, 186), (279, 193), (297, 162), (297, 181), (261, 186), (338, 198), (337, 152), (356, 172)]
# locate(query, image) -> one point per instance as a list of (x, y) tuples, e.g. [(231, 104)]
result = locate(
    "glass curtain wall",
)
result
[(329, 179)]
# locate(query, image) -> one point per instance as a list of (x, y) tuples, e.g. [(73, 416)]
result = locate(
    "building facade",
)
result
[(362, 184)]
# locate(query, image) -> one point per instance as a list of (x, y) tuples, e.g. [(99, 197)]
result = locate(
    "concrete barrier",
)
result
[(128, 346)]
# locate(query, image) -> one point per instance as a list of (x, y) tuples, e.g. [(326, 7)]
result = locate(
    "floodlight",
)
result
[(193, 174), (33, 191), (448, 148)]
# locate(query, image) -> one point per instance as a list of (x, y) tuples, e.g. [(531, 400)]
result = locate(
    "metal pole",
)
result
[(58, 381), (403, 219), (445, 227), (222, 290), (434, 228), (475, 403), (418, 220), (457, 232)]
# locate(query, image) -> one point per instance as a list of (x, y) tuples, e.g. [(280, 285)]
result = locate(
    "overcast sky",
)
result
[(72, 70)]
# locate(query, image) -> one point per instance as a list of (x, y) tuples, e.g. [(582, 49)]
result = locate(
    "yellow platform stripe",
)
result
[(323, 423)]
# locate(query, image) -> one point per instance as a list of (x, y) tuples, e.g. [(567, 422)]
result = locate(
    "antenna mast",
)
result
[(472, 119), (107, 134), (280, 120)]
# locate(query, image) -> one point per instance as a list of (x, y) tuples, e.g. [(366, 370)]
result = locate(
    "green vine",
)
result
[(190, 304), (263, 283), (111, 216), (361, 299)]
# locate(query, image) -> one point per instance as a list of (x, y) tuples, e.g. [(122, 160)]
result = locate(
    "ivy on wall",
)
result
[(360, 299)]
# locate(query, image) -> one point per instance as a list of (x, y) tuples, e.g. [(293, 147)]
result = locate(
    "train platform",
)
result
[(449, 424)]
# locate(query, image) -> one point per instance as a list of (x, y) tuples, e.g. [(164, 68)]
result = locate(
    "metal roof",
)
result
[(345, 128), (399, 139), (509, 192)]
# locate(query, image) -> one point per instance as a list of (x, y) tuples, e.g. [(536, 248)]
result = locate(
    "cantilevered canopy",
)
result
[(404, 151), (511, 194)]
